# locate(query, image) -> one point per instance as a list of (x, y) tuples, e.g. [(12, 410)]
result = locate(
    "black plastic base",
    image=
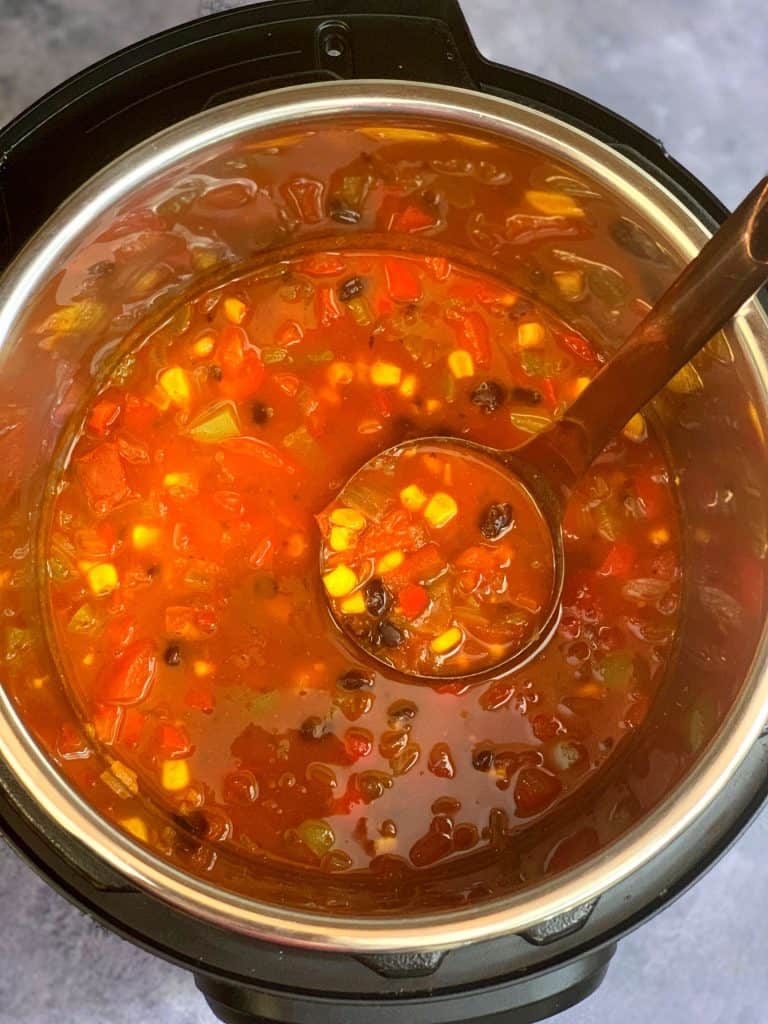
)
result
[(518, 1001)]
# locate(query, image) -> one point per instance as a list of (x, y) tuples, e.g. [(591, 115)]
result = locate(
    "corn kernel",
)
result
[(136, 827), (203, 668), (102, 579), (353, 605), (530, 335), (89, 659), (234, 310), (580, 384), (145, 536), (440, 509), (461, 364), (553, 204), (570, 283), (39, 682), (413, 497), (659, 536), (203, 347), (295, 545), (385, 375), (433, 405), (175, 775), (180, 484), (341, 538), (349, 517), (591, 691), (447, 641), (340, 581), (175, 384), (635, 429), (409, 385), (340, 373), (392, 560)]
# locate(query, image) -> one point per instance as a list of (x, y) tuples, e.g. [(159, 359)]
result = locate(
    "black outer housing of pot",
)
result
[(45, 154)]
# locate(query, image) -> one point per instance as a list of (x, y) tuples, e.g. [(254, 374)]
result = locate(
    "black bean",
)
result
[(377, 598), (351, 288), (314, 728), (389, 635), (402, 711), (260, 413), (525, 396), (215, 372), (635, 239), (496, 520), (488, 396), (354, 679), (343, 214), (194, 822), (172, 655), (482, 759)]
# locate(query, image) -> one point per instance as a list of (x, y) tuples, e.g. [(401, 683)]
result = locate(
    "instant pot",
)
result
[(285, 66)]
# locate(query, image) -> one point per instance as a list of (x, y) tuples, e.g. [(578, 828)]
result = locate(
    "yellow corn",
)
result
[(136, 827), (354, 604), (340, 581), (461, 364), (440, 509), (175, 384), (579, 385), (349, 517), (392, 560), (635, 429), (102, 579), (530, 335), (413, 497), (554, 204), (145, 536), (341, 538), (433, 405), (234, 310), (296, 545), (203, 347), (570, 283), (340, 373), (175, 775), (447, 641), (659, 536), (89, 659), (409, 385), (385, 375), (180, 484)]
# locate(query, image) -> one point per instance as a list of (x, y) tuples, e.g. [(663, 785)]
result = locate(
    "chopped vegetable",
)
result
[(340, 581), (386, 375), (440, 510)]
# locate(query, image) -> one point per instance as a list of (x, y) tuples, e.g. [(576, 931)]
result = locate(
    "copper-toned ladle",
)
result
[(728, 271)]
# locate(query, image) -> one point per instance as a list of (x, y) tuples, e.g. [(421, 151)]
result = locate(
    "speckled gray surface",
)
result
[(692, 72)]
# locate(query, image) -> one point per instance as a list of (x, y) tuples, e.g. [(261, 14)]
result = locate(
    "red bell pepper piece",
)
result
[(619, 560), (413, 218), (128, 679), (172, 740), (106, 720), (103, 415), (413, 599), (472, 333), (102, 477), (402, 281), (579, 345)]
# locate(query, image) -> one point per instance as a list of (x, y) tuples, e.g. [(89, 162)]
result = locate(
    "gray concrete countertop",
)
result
[(694, 74)]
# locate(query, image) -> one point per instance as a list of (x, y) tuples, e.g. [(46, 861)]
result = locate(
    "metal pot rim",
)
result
[(684, 233)]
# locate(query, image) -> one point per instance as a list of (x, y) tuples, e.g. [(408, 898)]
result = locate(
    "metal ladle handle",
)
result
[(728, 271)]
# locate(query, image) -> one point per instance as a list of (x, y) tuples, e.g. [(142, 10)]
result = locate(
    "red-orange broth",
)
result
[(185, 595)]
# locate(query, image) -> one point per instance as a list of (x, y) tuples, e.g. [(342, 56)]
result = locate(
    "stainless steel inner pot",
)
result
[(715, 430)]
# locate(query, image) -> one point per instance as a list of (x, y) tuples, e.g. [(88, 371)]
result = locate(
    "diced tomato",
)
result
[(245, 381), (119, 633), (322, 264), (132, 727), (102, 477), (138, 415), (103, 415), (287, 382), (413, 218), (579, 345), (472, 332), (289, 334), (535, 790), (619, 560), (106, 720), (71, 744), (357, 743), (382, 304), (172, 740), (128, 679), (651, 494), (132, 451), (327, 306), (413, 599), (231, 348), (402, 280), (419, 567)]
